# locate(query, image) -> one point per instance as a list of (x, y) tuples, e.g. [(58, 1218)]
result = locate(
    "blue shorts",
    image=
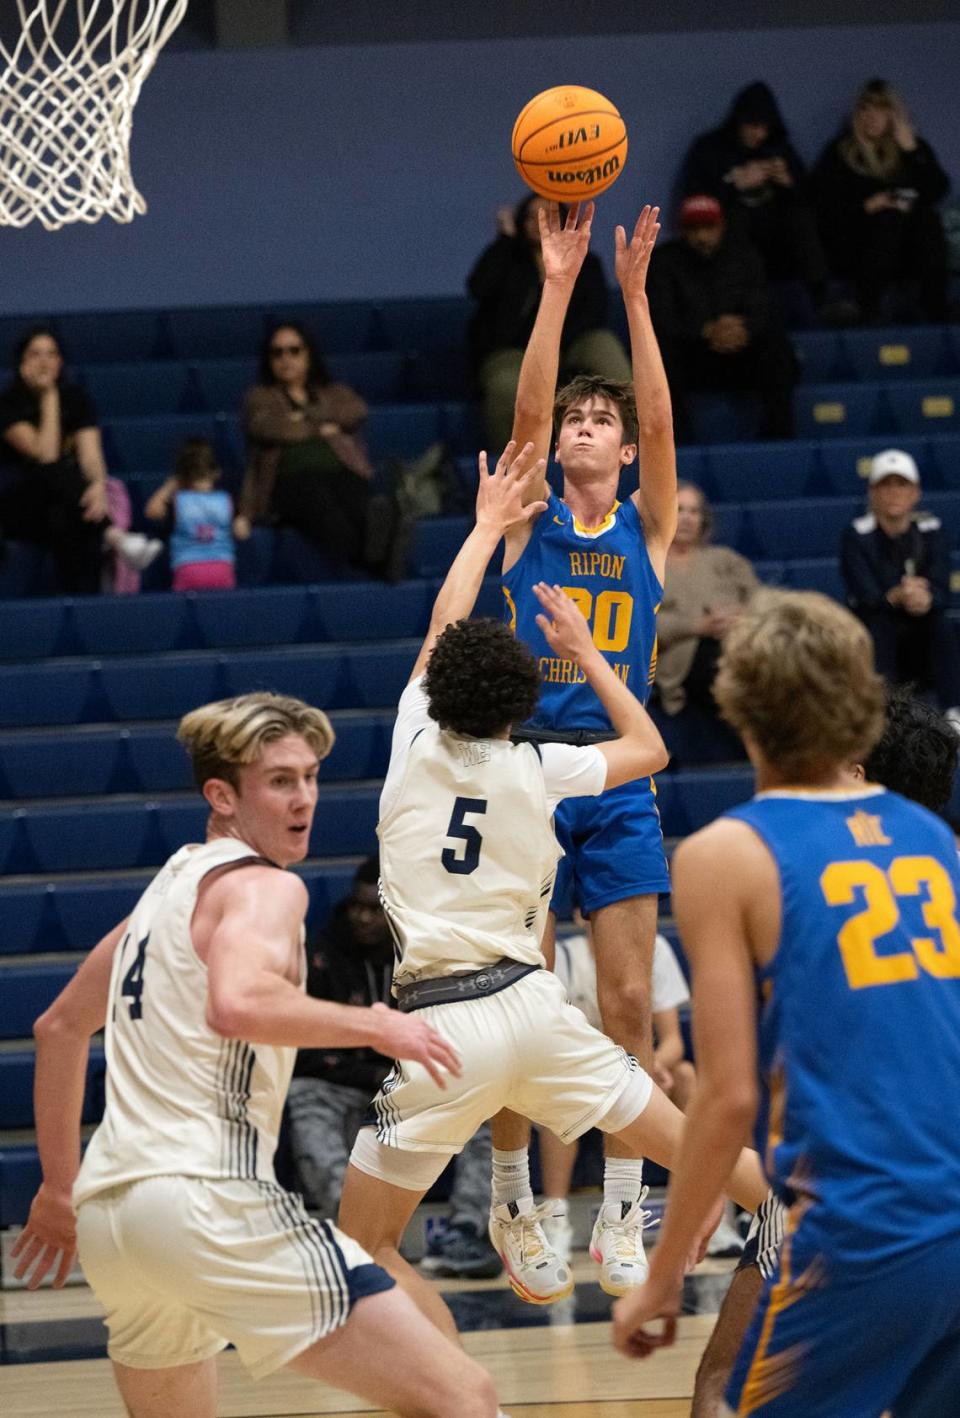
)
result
[(613, 848), (883, 1336)]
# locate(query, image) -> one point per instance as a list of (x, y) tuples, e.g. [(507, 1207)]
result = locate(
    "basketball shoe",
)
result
[(617, 1245), (556, 1226), (535, 1271)]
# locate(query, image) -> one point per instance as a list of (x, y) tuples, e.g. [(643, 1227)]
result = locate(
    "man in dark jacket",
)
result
[(506, 283), (710, 308), (752, 168), (896, 568)]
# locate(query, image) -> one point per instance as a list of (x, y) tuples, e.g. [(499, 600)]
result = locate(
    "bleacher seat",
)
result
[(16, 1087), (27, 990), (402, 430), (836, 410), (924, 406), (820, 357), (749, 472), (789, 530), (431, 326), (339, 326), (903, 352), (147, 389), (150, 444), (436, 543), (816, 574), (845, 463), (111, 336)]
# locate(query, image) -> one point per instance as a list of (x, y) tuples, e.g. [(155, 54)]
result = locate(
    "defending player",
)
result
[(468, 858), (183, 1232), (839, 900), (916, 757), (609, 558)]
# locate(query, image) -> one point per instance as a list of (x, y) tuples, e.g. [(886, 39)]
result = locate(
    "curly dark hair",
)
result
[(480, 680), (917, 755)]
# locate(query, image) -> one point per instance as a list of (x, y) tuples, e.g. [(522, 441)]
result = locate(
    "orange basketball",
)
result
[(569, 144)]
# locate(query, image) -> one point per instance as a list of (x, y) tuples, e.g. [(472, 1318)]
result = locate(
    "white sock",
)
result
[(511, 1176), (622, 1180)]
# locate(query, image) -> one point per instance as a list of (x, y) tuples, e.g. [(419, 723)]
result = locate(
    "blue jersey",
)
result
[(606, 570), (859, 1032), (201, 528)]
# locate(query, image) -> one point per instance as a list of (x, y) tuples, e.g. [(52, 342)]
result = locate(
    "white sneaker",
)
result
[(952, 716), (556, 1226), (726, 1240), (137, 550), (535, 1271), (617, 1244)]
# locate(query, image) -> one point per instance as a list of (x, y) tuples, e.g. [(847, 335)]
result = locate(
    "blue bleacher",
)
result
[(16, 1086), (147, 389), (837, 410)]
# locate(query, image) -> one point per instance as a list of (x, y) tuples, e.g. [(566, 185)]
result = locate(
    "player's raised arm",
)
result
[(639, 750), (714, 927), (503, 499), (62, 1035), (657, 496), (563, 248)]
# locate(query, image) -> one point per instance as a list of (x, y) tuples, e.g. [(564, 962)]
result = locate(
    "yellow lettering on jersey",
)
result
[(858, 936), (511, 607), (553, 670), (907, 876), (866, 829), (597, 563), (575, 564)]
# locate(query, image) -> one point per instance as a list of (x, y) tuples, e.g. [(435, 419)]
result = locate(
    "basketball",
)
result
[(569, 143)]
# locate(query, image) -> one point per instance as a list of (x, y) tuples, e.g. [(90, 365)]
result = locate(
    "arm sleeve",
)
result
[(937, 570), (412, 716), (922, 171), (570, 772), (266, 422), (340, 404), (76, 410)]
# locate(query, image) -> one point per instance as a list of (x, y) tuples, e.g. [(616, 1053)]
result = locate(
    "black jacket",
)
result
[(505, 284), (339, 969), (840, 192), (873, 563), (687, 290), (712, 155)]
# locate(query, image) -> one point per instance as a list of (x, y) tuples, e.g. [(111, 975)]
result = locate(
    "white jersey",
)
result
[(180, 1098), (468, 853), (577, 969)]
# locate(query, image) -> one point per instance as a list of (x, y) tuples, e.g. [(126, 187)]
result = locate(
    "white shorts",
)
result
[(183, 1266), (525, 1048)]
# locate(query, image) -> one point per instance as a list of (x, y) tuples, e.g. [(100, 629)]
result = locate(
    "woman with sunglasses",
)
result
[(308, 467)]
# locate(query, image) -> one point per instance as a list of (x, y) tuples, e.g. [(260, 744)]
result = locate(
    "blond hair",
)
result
[(796, 675), (221, 737), (873, 157)]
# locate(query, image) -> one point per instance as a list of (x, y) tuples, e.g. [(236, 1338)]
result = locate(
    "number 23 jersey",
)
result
[(468, 853)]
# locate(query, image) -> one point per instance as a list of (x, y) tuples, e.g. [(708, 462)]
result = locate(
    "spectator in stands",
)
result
[(308, 467), (506, 283), (877, 185), (751, 166), (896, 569), (706, 590), (200, 520), (711, 312), (330, 1092), (55, 493)]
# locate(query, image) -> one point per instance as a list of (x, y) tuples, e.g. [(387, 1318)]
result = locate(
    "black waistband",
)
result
[(450, 989), (578, 737)]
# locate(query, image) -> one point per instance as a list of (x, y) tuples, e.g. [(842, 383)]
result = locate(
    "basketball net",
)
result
[(68, 87)]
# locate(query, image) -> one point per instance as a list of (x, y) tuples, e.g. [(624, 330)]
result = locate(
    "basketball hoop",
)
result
[(68, 87)]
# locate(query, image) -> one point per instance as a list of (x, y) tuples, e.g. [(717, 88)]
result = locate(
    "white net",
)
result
[(70, 76)]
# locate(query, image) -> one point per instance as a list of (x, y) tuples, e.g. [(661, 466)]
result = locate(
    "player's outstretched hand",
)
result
[(563, 623), (401, 1036), (49, 1239), (633, 258), (564, 247), (632, 1316), (500, 494)]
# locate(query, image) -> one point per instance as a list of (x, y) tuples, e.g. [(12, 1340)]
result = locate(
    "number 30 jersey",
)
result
[(606, 571), (180, 1098), (859, 1032), (468, 853)]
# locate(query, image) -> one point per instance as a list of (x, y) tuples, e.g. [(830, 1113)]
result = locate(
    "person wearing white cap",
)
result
[(895, 561)]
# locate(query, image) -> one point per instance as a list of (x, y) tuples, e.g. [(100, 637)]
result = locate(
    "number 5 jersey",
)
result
[(467, 848), (180, 1098)]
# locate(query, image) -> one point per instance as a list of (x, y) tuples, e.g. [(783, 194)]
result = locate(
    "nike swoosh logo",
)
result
[(558, 521)]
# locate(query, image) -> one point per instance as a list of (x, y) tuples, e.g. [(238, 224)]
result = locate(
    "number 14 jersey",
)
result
[(468, 853), (180, 1098)]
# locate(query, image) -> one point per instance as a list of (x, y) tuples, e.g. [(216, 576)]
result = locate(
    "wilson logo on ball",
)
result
[(569, 142)]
